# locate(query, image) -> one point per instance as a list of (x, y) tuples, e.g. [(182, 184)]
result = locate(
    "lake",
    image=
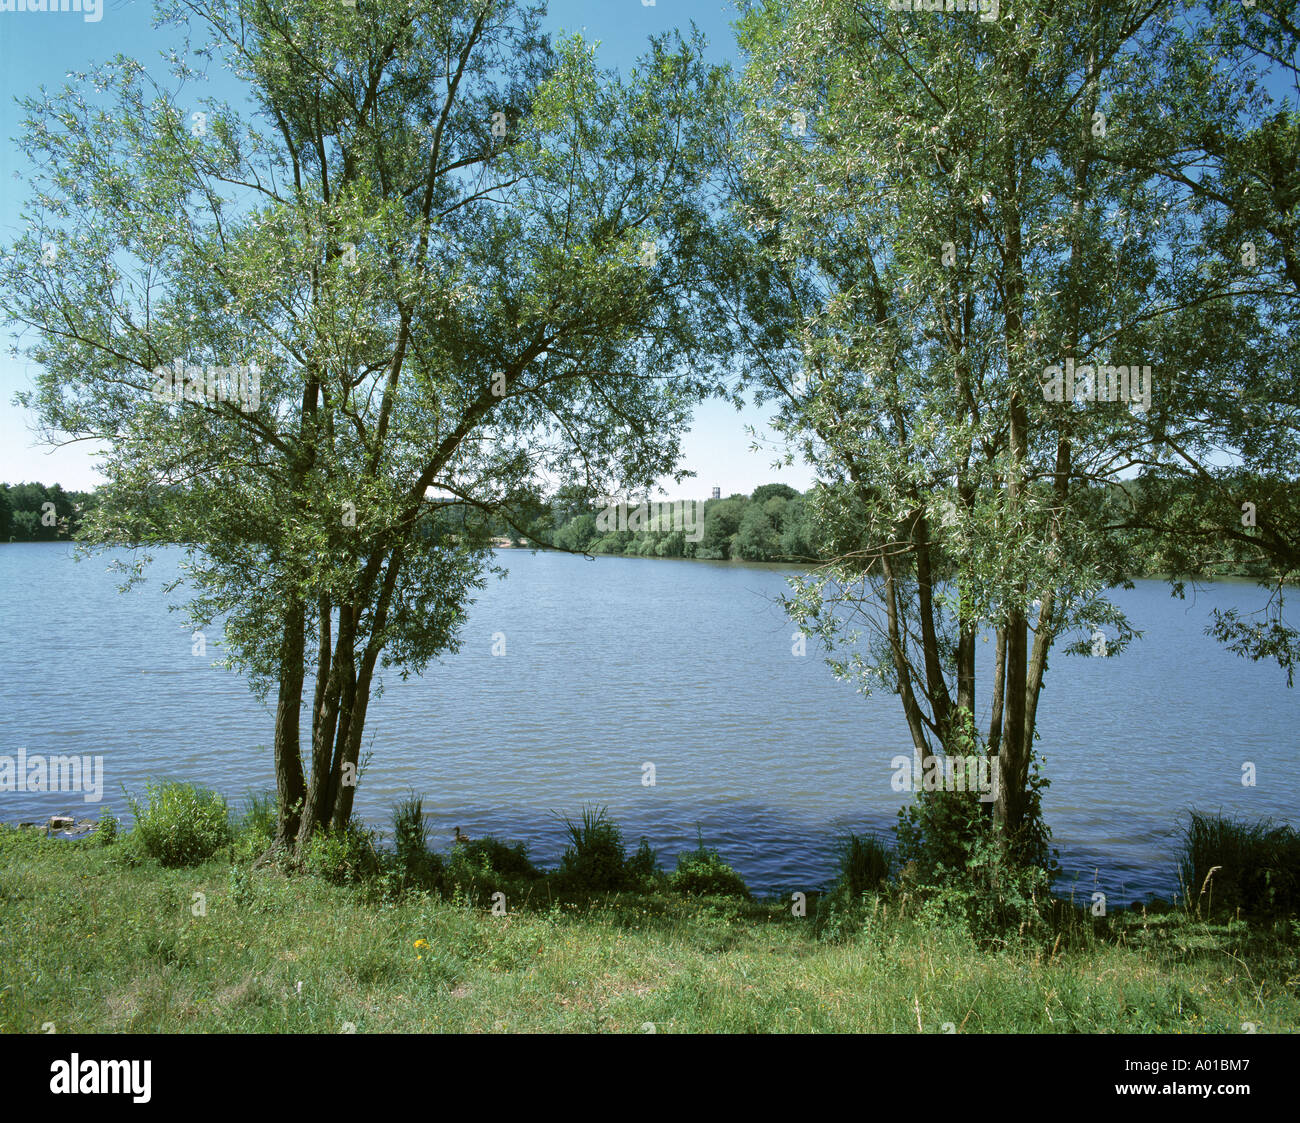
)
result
[(614, 663)]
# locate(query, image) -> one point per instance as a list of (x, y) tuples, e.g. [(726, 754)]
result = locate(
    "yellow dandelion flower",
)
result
[(421, 944)]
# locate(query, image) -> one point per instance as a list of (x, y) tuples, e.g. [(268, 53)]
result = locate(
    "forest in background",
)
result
[(35, 512), (774, 523)]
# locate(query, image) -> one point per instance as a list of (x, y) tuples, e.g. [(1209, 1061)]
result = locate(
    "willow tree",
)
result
[(439, 258), (944, 247), (1214, 113)]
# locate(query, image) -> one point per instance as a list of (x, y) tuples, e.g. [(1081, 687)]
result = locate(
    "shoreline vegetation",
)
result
[(191, 922), (774, 524)]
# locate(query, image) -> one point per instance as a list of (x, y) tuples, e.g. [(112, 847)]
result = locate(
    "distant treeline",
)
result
[(31, 512), (772, 524), (776, 523)]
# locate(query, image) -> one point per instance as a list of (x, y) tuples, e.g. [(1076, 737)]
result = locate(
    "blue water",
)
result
[(618, 662)]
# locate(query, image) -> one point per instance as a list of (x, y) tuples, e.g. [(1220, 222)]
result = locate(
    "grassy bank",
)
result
[(96, 943)]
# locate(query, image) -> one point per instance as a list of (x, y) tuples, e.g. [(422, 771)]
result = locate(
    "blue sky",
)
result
[(40, 48)]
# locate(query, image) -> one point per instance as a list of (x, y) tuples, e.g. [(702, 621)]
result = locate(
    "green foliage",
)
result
[(937, 831), (765, 492), (240, 886), (756, 539), (672, 545), (1228, 864), (129, 852), (595, 859), (410, 831), (993, 901), (577, 534), (704, 872), (417, 865), (182, 824), (1031, 843), (864, 864), (24, 516), (108, 829), (487, 865), (259, 816), (721, 522), (770, 525), (966, 875), (643, 866), (342, 855), (254, 831)]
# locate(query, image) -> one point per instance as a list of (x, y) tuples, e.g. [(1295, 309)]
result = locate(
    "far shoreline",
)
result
[(741, 563)]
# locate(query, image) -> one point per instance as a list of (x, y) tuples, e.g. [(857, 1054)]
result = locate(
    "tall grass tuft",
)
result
[(254, 831), (595, 859), (415, 864), (259, 815), (865, 863), (1228, 864)]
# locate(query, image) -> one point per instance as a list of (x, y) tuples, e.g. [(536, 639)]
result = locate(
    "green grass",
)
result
[(1229, 864), (92, 943)]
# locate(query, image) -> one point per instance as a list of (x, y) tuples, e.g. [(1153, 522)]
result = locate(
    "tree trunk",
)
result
[(288, 753), (338, 775), (999, 691), (1013, 765), (345, 793), (935, 686), (316, 808), (897, 646), (1013, 760)]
